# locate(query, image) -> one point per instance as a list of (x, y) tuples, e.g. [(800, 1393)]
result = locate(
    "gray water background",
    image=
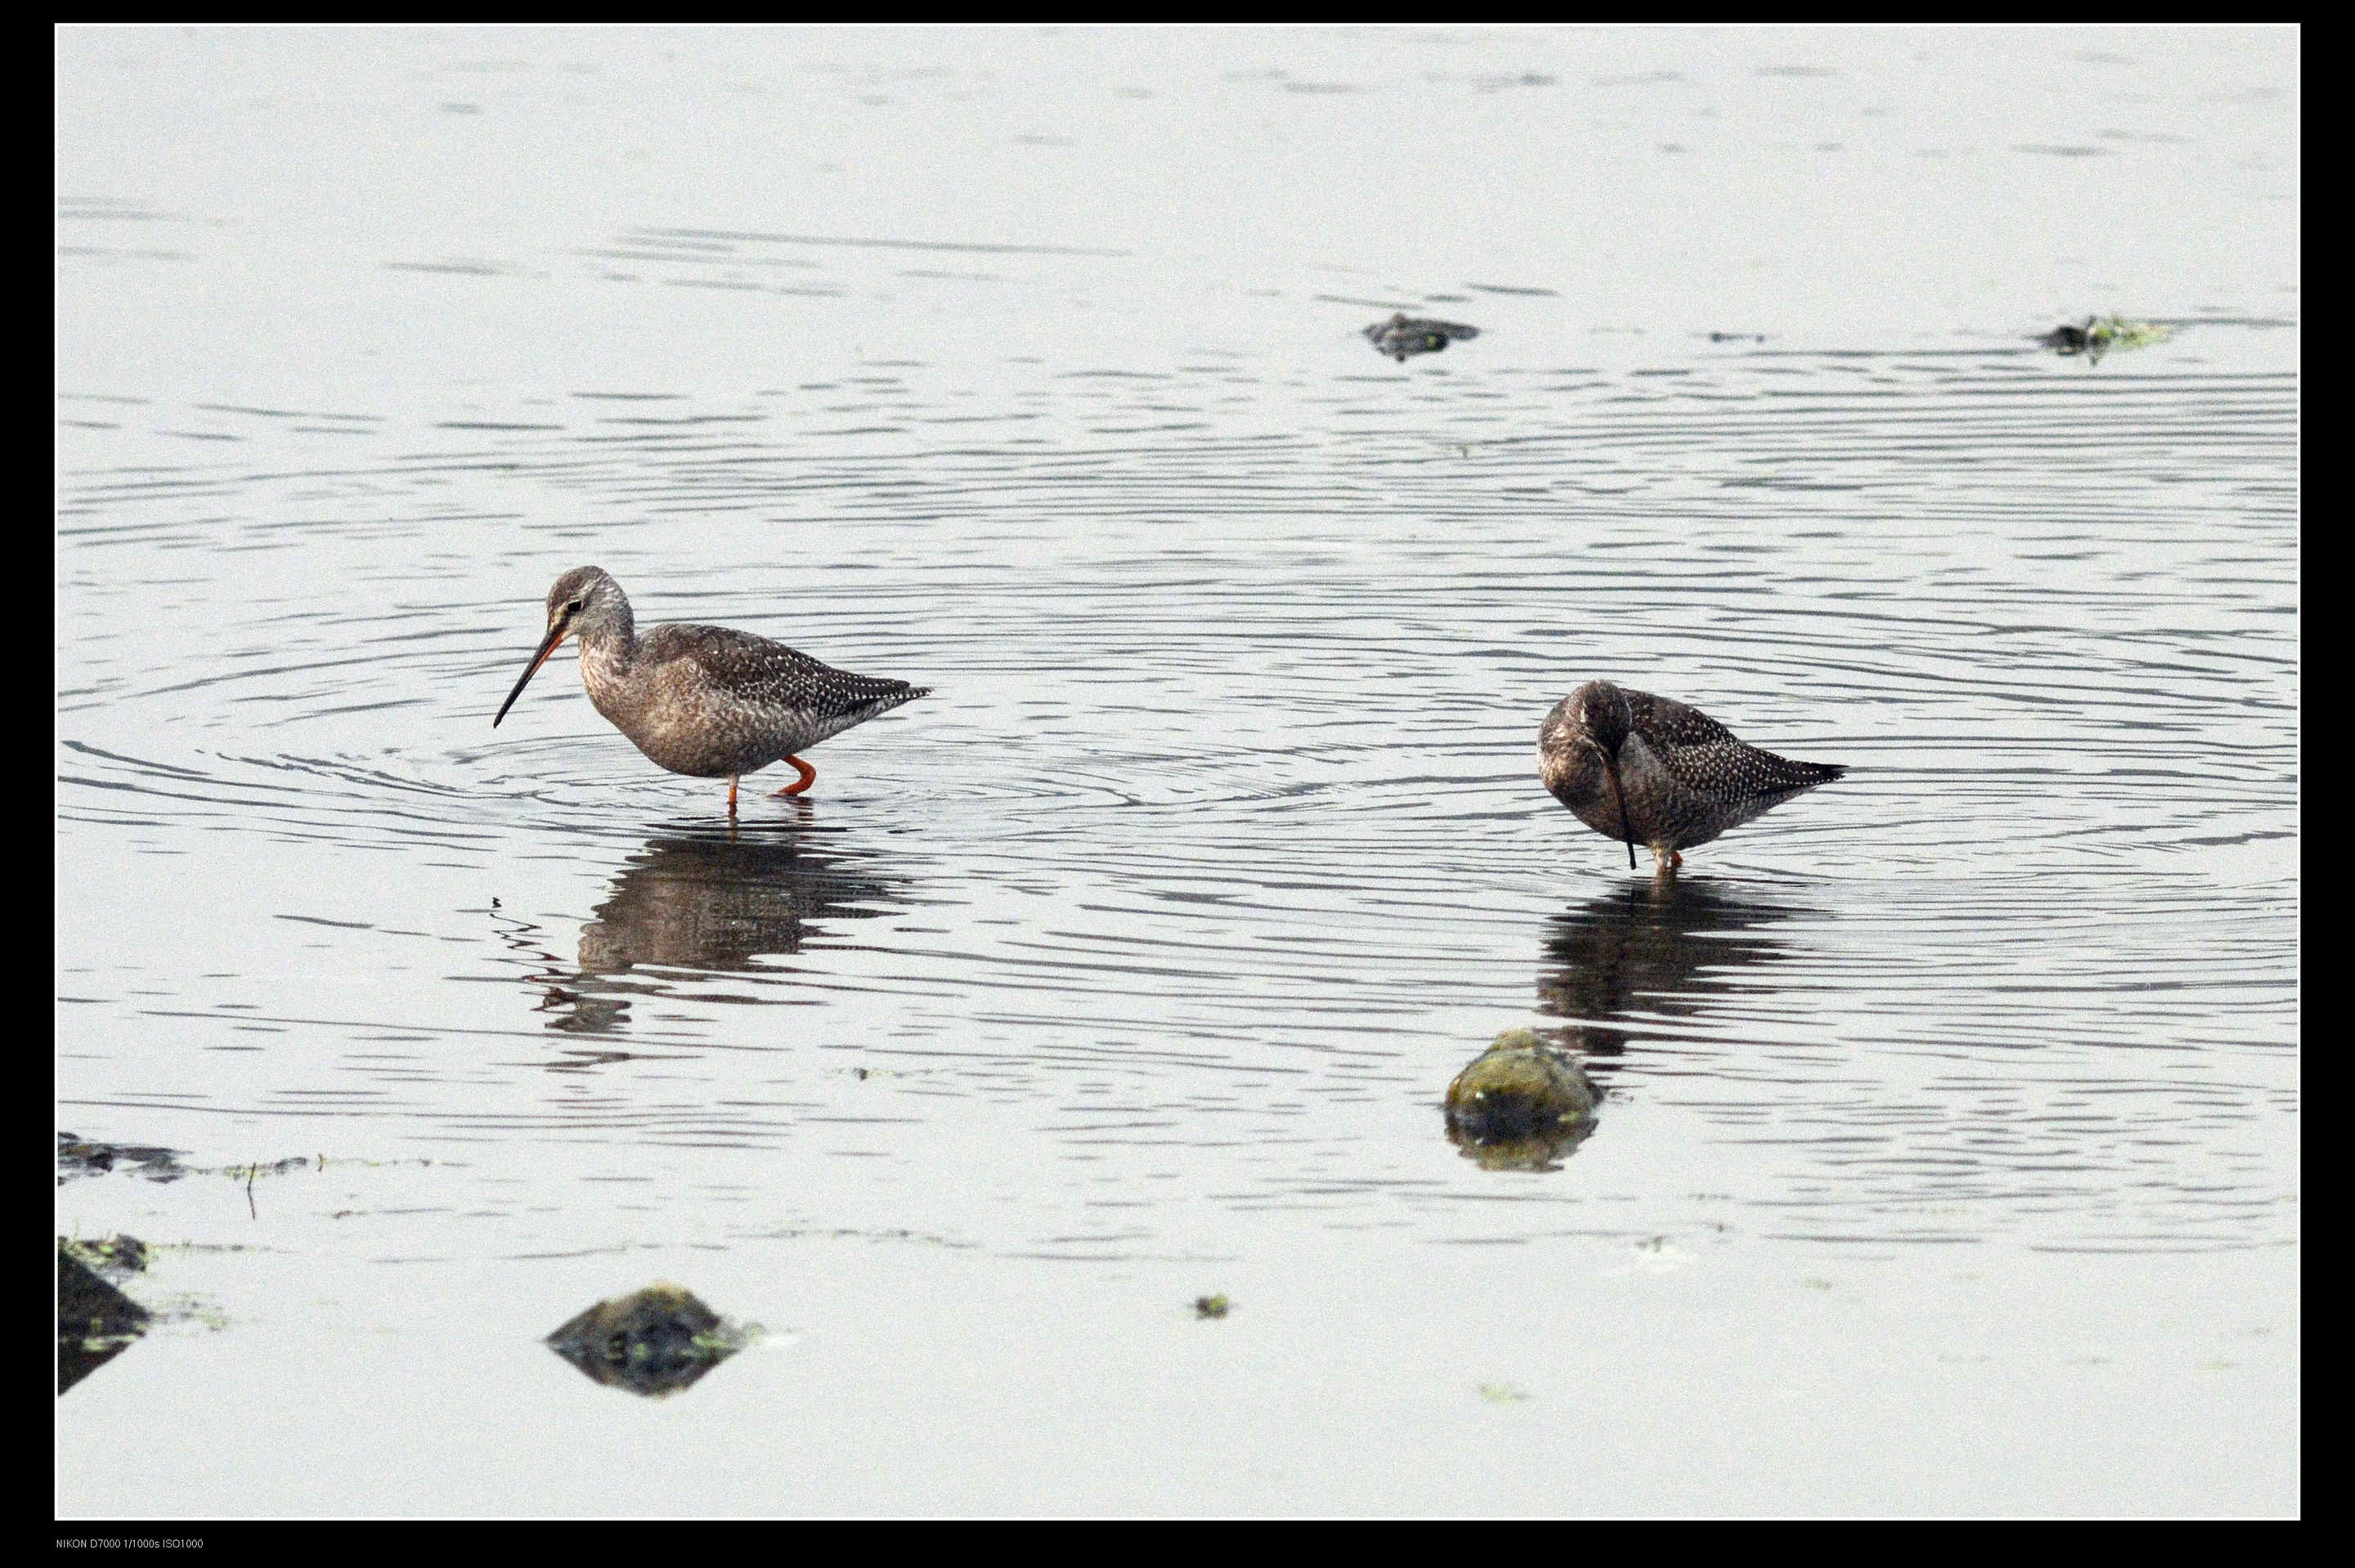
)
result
[(1948, 1161)]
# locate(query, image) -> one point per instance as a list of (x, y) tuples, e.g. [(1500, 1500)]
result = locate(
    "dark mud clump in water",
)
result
[(657, 1342), (1403, 334), (1520, 1104), (81, 1157), (2100, 335), (95, 1321)]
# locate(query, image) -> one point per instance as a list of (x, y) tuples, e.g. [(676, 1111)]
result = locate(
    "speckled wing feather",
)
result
[(1732, 772), (1707, 758), (773, 675), (1667, 724)]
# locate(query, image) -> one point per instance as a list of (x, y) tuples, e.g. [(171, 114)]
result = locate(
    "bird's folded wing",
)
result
[(1729, 771), (1667, 722)]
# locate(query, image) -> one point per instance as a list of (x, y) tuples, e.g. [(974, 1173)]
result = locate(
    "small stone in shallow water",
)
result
[(95, 1321), (657, 1342), (1403, 334), (1520, 1104), (1210, 1305)]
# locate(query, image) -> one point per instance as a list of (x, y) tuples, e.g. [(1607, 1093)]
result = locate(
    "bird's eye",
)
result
[(574, 608)]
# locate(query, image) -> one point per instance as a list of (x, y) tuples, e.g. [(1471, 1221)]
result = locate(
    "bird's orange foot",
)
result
[(808, 777)]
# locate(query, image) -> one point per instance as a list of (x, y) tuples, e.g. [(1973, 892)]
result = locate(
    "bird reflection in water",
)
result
[(709, 903), (1667, 948), (1672, 944)]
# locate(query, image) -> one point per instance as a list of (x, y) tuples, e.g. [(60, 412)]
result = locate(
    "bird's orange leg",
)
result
[(732, 797), (808, 777)]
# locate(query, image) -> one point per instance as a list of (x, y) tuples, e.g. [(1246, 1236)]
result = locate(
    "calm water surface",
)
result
[(1947, 1154)]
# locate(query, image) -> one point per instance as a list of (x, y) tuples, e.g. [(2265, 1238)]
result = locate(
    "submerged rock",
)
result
[(657, 1342), (95, 1321), (2100, 335), (1403, 334), (1520, 1104)]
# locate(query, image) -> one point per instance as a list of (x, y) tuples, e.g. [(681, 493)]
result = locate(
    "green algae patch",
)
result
[(111, 1255), (2104, 335), (1520, 1104), (654, 1341)]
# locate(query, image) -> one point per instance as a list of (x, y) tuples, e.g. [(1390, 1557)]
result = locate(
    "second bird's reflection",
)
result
[(712, 903), (1663, 949), (1668, 946)]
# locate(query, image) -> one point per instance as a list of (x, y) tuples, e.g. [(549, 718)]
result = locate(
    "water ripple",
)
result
[(1219, 842)]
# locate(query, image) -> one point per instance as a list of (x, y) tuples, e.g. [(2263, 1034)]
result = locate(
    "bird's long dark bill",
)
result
[(1611, 766), (540, 658)]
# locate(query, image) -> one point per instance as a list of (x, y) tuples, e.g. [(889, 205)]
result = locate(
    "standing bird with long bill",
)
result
[(707, 701)]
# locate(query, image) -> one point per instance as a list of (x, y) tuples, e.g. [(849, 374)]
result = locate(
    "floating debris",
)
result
[(2100, 335), (83, 1157), (1520, 1104), (1210, 1305), (1503, 1393), (95, 1321), (1403, 334), (657, 1342), (246, 1173)]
